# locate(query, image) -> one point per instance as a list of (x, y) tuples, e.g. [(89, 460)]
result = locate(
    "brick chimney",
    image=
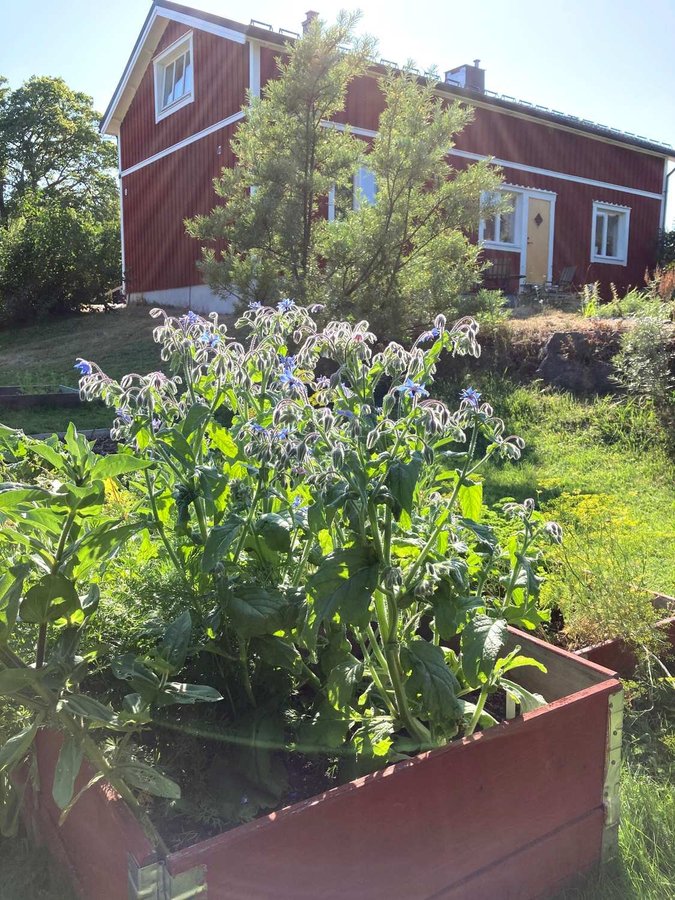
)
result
[(311, 15), (471, 77)]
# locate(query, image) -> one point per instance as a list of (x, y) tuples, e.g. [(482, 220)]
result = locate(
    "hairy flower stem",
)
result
[(160, 527), (478, 712)]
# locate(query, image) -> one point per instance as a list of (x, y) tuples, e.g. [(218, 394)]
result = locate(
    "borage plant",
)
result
[(328, 509)]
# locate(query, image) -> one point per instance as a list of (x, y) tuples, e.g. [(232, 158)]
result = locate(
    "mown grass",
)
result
[(32, 356)]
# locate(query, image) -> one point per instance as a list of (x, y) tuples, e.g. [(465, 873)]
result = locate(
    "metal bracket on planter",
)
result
[(155, 882), (610, 793)]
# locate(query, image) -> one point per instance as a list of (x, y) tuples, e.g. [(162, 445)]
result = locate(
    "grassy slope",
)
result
[(590, 448), (120, 341)]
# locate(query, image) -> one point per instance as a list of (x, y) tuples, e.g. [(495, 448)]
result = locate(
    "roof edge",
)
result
[(169, 10)]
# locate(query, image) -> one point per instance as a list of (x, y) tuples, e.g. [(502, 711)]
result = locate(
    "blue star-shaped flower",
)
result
[(285, 305), (83, 367), (471, 395), (411, 389)]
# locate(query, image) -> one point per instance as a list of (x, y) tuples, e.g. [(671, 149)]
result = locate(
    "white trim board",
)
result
[(550, 173), (184, 143)]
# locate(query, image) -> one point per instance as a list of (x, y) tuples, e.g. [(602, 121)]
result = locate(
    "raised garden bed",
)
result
[(15, 397), (619, 656), (514, 811)]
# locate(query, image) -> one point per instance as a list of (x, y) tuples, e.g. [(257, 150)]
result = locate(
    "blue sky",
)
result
[(611, 61)]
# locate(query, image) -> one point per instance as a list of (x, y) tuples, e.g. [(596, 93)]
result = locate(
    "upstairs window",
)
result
[(174, 82), (609, 240), (503, 229)]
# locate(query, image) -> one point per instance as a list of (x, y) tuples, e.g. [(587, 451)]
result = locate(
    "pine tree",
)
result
[(395, 262)]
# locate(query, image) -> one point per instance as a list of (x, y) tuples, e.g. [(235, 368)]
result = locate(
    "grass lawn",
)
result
[(120, 341)]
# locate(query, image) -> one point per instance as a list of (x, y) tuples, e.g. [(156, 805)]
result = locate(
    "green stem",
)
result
[(243, 659), (376, 675), (160, 527), (475, 718)]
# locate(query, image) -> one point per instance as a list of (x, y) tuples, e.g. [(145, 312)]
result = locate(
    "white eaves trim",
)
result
[(184, 143), (142, 56)]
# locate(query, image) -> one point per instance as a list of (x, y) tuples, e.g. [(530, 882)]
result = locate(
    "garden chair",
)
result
[(501, 277), (564, 285)]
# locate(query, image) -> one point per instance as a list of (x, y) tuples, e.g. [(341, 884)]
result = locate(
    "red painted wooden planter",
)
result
[(615, 654), (513, 812)]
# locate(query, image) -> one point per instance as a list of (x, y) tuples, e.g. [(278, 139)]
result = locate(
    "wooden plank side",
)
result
[(538, 870), (453, 811), (157, 199)]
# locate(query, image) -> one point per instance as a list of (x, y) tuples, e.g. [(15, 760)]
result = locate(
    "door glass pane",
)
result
[(612, 245)]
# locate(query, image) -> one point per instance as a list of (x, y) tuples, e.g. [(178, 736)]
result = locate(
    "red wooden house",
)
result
[(584, 195)]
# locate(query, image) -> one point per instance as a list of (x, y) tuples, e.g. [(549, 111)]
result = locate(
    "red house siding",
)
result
[(220, 82), (159, 196), (157, 200)]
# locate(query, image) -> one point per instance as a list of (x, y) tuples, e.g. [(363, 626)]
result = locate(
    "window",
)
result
[(342, 200), (365, 187), (174, 84), (503, 229), (609, 240)]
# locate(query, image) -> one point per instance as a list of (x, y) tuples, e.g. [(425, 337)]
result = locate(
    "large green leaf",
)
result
[(66, 771), (142, 679), (344, 583), (470, 498), (219, 541), (87, 708), (117, 464), (147, 779), (482, 639), (11, 587), (53, 597), (196, 416), (275, 530), (274, 651), (431, 680), (187, 694), (401, 480), (14, 750), (343, 681), (100, 544), (253, 610), (176, 641), (222, 440)]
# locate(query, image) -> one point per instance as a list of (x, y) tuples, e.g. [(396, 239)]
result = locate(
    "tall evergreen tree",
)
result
[(396, 261)]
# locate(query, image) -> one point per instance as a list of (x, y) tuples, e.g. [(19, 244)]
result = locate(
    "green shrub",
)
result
[(644, 362), (635, 302), (55, 259)]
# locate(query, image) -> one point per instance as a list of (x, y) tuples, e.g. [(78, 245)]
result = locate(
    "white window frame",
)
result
[(600, 208), (160, 64), (514, 246)]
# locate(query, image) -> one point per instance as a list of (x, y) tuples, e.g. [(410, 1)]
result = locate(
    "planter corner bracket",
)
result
[(154, 882), (611, 788)]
